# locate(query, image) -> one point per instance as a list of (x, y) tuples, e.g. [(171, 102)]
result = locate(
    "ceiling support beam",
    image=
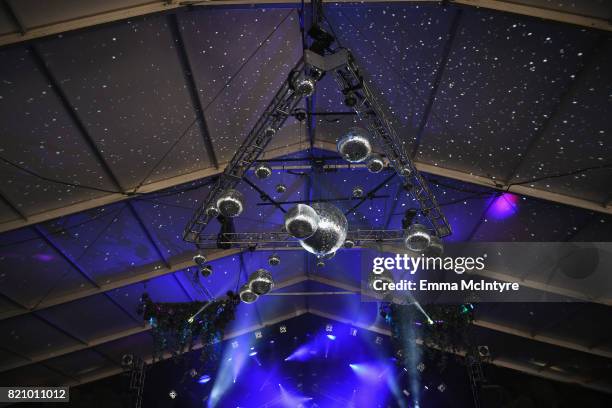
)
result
[(13, 207), (448, 45), (192, 87)]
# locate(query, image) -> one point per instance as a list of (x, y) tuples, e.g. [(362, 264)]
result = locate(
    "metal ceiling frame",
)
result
[(160, 6)]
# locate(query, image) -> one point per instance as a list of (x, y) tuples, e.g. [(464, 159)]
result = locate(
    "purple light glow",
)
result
[(44, 257), (503, 206)]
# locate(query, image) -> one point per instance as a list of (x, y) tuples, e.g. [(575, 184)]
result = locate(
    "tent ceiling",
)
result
[(102, 107)]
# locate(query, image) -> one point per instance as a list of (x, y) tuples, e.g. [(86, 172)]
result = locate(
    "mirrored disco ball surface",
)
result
[(331, 231), (231, 203), (261, 282), (301, 221), (355, 145)]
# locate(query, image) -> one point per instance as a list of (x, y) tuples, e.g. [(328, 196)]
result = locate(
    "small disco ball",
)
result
[(263, 171), (261, 282), (350, 99), (172, 394), (274, 260), (330, 233), (304, 86), (127, 360), (270, 131), (417, 238), (301, 221), (199, 259), (206, 271), (281, 188), (375, 163), (442, 387), (231, 203), (435, 248), (349, 243), (355, 145), (193, 372), (358, 192), (421, 367), (246, 294), (212, 211)]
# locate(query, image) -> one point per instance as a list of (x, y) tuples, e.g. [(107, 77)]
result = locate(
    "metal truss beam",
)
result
[(90, 18)]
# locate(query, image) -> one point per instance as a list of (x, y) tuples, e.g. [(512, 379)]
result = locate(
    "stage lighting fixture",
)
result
[(247, 295), (204, 379), (263, 171), (421, 367), (442, 387), (331, 337), (375, 163), (127, 360), (258, 334), (329, 328), (199, 259), (378, 340), (261, 282), (349, 243), (483, 351), (253, 353), (355, 145), (353, 331), (212, 211), (274, 260), (282, 329), (281, 188), (301, 221), (235, 344), (357, 192), (231, 203), (417, 238), (206, 270), (172, 394), (406, 392)]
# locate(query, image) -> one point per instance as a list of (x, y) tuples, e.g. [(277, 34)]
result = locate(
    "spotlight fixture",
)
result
[(204, 379), (357, 192), (199, 259), (206, 270), (355, 145), (231, 203), (212, 211), (282, 329), (331, 337), (375, 163), (350, 99), (258, 334), (263, 171), (281, 188), (274, 260), (301, 221), (247, 295), (421, 367), (261, 282), (349, 243), (417, 238), (329, 328)]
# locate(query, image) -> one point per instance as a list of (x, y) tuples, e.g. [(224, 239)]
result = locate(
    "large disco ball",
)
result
[(417, 238), (355, 145), (301, 221), (261, 282), (231, 203), (331, 231)]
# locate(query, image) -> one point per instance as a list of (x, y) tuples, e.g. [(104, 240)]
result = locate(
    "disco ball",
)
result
[(355, 146), (375, 163), (304, 86), (263, 171), (274, 260), (199, 259), (212, 211), (281, 188), (270, 131), (328, 256), (417, 238), (435, 248), (247, 295), (301, 221), (231, 203), (261, 282), (406, 171), (349, 243), (358, 192), (331, 231)]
